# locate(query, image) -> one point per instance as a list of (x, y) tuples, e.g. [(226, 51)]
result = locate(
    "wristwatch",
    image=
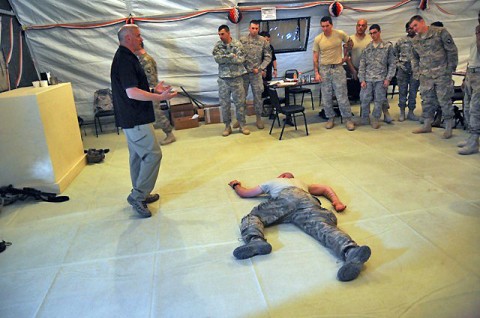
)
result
[(235, 184)]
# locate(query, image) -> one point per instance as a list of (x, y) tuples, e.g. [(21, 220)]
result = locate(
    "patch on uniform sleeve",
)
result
[(449, 41)]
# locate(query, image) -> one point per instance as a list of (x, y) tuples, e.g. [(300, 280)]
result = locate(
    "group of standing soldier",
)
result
[(240, 66), (424, 60)]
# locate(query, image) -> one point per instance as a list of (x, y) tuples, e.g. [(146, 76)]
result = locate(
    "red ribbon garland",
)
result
[(131, 19)]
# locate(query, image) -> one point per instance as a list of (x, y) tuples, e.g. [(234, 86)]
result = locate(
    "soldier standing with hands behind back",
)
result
[(407, 84), (435, 58), (258, 56)]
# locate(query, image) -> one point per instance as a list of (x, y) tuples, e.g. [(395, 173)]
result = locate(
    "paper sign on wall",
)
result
[(269, 13)]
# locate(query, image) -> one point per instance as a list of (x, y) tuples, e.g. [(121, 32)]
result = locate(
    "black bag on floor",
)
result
[(96, 155)]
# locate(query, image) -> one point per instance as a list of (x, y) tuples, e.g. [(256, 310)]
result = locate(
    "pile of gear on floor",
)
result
[(95, 155), (9, 195)]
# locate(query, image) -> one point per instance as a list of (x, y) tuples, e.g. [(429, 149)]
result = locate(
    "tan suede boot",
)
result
[(168, 139), (330, 123), (350, 125), (244, 130), (227, 131), (426, 128), (463, 143), (471, 147), (374, 123), (447, 134), (402, 114), (260, 122), (411, 116), (386, 115)]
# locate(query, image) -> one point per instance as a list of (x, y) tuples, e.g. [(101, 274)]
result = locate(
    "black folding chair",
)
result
[(290, 74), (291, 110), (457, 100)]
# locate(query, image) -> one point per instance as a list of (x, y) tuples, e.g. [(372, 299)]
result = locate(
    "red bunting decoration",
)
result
[(335, 9), (423, 5), (234, 15)]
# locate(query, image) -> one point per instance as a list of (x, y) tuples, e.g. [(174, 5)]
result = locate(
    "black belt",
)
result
[(473, 69), (331, 65)]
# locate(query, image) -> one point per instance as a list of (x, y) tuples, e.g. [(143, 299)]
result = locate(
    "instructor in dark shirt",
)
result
[(132, 100)]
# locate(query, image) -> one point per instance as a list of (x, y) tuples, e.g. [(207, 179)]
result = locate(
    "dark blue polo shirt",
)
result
[(126, 72)]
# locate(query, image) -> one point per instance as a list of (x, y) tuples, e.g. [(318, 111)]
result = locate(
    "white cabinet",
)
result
[(40, 142)]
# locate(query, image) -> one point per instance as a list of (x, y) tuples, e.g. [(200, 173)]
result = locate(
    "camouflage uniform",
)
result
[(294, 205), (472, 89), (150, 67), (376, 65), (334, 79), (230, 58), (407, 84), (258, 55), (435, 57), (472, 99)]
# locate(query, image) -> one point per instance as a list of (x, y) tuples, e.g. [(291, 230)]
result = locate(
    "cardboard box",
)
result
[(181, 107), (185, 123), (180, 114), (182, 110), (213, 115), (201, 114)]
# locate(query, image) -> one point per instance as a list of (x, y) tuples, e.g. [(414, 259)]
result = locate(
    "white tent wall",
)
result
[(182, 48)]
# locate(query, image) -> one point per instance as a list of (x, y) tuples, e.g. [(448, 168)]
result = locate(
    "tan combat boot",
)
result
[(386, 115), (426, 128), (227, 131), (259, 122), (374, 123), (330, 123), (463, 143), (402, 114), (350, 125), (411, 116), (471, 146), (244, 130), (447, 134), (168, 139)]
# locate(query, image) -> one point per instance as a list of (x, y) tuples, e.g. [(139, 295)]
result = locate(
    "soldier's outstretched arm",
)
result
[(245, 192), (327, 192)]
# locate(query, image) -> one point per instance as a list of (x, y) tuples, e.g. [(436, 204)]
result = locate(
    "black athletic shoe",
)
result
[(254, 247), (355, 258), (140, 207), (152, 198)]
